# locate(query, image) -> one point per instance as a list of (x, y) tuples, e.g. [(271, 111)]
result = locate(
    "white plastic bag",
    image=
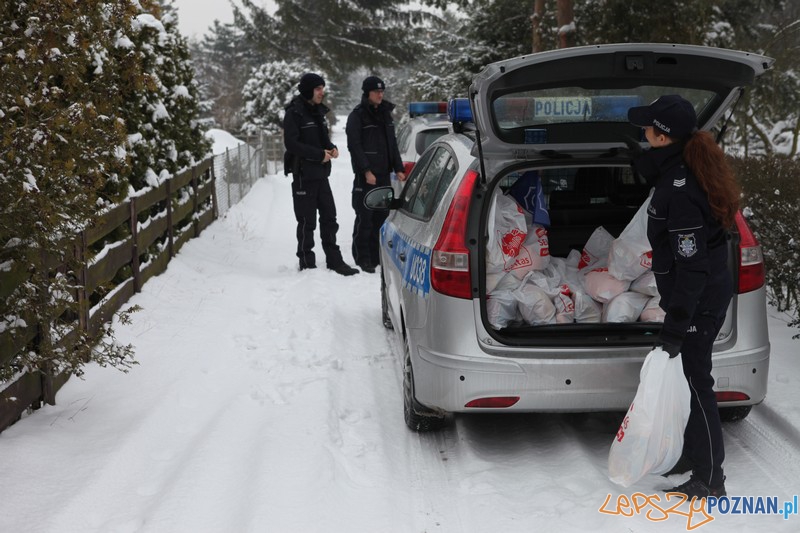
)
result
[(507, 233), (630, 254), (602, 286), (650, 438), (625, 308), (652, 312), (595, 251)]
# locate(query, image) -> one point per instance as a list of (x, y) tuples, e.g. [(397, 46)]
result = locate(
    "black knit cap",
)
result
[(308, 83), (372, 83)]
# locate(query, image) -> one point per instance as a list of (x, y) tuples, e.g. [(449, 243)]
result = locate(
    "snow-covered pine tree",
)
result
[(162, 110), (222, 63), (266, 93), (61, 159), (331, 35)]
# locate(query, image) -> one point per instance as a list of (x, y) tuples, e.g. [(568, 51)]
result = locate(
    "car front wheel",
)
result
[(417, 416)]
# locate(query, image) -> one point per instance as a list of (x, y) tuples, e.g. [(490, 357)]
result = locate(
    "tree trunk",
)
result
[(566, 24), (536, 21)]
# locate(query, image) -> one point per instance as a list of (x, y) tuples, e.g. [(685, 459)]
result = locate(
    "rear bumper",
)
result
[(582, 383)]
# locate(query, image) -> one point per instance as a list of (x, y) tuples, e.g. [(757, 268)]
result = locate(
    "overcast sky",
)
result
[(195, 16)]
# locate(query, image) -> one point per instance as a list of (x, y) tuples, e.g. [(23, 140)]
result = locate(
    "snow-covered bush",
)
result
[(270, 88), (771, 205)]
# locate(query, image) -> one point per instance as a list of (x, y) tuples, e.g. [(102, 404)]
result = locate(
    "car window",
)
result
[(404, 137), (425, 138), (423, 202), (414, 179), (450, 171)]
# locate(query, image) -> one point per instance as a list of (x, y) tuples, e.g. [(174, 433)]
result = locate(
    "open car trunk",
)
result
[(566, 258)]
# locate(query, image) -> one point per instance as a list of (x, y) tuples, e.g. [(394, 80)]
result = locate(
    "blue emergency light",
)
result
[(426, 108), (458, 110)]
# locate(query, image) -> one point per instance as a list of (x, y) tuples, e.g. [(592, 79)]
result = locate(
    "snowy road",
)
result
[(269, 400)]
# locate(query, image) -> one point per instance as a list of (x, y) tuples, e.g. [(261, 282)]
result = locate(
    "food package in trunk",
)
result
[(565, 307), (508, 231), (625, 308), (630, 254), (534, 304), (595, 251), (652, 311), (602, 286), (587, 310), (645, 284), (501, 308)]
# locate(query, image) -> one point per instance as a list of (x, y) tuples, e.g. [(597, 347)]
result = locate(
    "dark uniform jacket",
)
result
[(690, 252), (305, 135), (371, 140)]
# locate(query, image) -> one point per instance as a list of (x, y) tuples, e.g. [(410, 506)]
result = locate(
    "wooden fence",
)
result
[(189, 202)]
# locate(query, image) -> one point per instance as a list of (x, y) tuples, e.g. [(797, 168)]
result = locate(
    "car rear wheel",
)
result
[(387, 320), (734, 414), (417, 416)]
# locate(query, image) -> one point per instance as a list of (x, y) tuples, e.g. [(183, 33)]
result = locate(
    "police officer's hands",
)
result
[(672, 349), (401, 176), (327, 156), (334, 152), (370, 177)]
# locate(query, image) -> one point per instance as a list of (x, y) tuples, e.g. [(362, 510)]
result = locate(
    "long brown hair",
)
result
[(707, 161)]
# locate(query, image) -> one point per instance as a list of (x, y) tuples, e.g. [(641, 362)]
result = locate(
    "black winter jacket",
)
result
[(305, 135), (371, 139), (690, 252)]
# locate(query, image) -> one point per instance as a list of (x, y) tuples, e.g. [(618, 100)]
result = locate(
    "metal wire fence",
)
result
[(238, 168)]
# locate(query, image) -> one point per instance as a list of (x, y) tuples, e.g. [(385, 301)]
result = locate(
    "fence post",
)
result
[(134, 223), (213, 176), (81, 252), (195, 222), (170, 232), (227, 176)]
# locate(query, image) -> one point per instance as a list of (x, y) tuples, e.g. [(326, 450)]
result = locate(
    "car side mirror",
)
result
[(381, 198)]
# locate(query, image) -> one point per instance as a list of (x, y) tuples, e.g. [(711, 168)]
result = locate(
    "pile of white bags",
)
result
[(608, 281)]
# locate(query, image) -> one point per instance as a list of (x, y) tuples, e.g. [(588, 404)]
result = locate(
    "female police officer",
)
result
[(695, 200)]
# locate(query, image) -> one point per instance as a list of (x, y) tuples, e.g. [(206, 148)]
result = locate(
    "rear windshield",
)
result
[(532, 111)]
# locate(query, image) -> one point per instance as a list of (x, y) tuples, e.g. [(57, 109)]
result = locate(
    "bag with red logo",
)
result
[(650, 438), (595, 251), (507, 233), (630, 255)]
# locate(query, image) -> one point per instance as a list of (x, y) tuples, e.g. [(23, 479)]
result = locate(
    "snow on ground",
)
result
[(269, 400)]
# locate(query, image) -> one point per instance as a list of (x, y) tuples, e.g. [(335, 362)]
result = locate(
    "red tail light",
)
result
[(407, 167), (752, 273), (730, 396), (495, 402), (450, 258)]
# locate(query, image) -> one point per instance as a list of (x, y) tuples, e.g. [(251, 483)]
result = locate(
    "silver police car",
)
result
[(560, 116)]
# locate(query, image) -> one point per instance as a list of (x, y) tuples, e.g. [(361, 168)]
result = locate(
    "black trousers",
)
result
[(310, 196), (367, 227), (703, 443)]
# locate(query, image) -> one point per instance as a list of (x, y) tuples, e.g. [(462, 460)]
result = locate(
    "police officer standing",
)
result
[(374, 155), (695, 201), (309, 153)]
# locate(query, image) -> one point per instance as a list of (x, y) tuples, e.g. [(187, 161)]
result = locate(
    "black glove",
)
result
[(672, 349), (635, 149)]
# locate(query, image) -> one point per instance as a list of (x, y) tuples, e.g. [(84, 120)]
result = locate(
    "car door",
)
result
[(409, 236)]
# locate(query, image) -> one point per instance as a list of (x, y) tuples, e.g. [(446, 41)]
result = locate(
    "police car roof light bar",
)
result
[(458, 110), (426, 108)]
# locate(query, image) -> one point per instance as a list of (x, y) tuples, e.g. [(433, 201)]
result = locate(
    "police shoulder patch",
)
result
[(687, 245)]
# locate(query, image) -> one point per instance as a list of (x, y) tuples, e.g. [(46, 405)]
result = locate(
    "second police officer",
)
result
[(374, 155)]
